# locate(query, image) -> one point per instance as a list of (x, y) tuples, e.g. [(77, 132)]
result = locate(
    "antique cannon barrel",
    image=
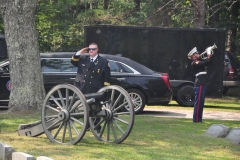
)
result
[(99, 96)]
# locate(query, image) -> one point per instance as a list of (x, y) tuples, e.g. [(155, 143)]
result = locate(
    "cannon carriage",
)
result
[(67, 114)]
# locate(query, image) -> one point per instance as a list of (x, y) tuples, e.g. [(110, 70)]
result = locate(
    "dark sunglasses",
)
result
[(92, 49)]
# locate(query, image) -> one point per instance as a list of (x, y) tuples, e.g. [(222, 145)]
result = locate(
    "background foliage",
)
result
[(60, 22)]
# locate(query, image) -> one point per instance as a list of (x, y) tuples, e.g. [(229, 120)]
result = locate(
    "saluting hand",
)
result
[(84, 50)]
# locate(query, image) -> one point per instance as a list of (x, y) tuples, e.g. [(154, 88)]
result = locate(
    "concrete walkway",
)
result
[(217, 115)]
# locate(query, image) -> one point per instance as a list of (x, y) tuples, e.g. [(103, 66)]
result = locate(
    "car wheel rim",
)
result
[(137, 101), (187, 97)]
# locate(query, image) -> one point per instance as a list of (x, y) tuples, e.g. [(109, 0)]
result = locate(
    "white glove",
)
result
[(84, 50), (78, 53), (209, 51)]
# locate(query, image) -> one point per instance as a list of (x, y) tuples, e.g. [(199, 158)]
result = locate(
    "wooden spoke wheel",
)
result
[(65, 114), (113, 125)]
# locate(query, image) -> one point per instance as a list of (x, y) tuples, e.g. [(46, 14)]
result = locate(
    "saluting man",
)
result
[(201, 81), (93, 70)]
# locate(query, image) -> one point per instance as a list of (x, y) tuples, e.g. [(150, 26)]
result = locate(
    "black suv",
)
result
[(231, 74)]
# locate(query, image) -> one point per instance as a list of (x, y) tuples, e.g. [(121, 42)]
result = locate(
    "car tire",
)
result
[(185, 96), (138, 99)]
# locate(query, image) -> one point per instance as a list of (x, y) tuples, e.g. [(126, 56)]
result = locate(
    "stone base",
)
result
[(234, 135), (217, 130)]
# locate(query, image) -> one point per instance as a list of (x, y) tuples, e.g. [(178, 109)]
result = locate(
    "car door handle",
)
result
[(72, 78), (121, 79)]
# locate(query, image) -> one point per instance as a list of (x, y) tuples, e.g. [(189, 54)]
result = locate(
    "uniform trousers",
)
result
[(199, 102)]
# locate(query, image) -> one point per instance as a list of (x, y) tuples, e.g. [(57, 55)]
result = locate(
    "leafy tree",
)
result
[(56, 25), (225, 14), (60, 23)]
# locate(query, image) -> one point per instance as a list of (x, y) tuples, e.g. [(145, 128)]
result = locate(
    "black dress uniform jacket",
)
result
[(91, 76), (200, 66)]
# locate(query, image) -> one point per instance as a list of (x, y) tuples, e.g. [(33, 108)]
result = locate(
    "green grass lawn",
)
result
[(151, 138)]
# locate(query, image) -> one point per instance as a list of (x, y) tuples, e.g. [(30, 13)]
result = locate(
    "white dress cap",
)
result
[(194, 50)]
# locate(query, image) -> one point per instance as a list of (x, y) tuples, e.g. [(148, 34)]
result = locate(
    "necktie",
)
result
[(91, 60)]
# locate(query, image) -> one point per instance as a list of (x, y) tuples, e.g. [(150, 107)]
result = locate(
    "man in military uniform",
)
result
[(201, 81), (93, 71)]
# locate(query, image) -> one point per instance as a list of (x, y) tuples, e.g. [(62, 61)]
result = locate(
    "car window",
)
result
[(114, 67), (235, 63), (126, 68), (119, 67), (227, 62), (57, 65)]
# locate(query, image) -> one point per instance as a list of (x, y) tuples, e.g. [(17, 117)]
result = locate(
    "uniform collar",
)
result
[(94, 58)]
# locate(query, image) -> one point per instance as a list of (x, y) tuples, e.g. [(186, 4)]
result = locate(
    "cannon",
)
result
[(67, 114)]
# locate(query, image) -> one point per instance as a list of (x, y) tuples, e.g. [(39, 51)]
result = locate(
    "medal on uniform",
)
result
[(98, 70), (96, 62)]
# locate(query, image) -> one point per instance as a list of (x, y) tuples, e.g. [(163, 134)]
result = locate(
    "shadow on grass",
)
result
[(222, 107), (207, 106), (163, 113)]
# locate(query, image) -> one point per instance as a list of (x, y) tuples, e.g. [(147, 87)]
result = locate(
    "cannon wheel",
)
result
[(65, 114), (116, 125)]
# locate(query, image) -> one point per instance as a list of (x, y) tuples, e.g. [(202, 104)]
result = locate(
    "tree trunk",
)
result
[(213, 13), (105, 4), (23, 51), (137, 7), (199, 13), (91, 6)]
